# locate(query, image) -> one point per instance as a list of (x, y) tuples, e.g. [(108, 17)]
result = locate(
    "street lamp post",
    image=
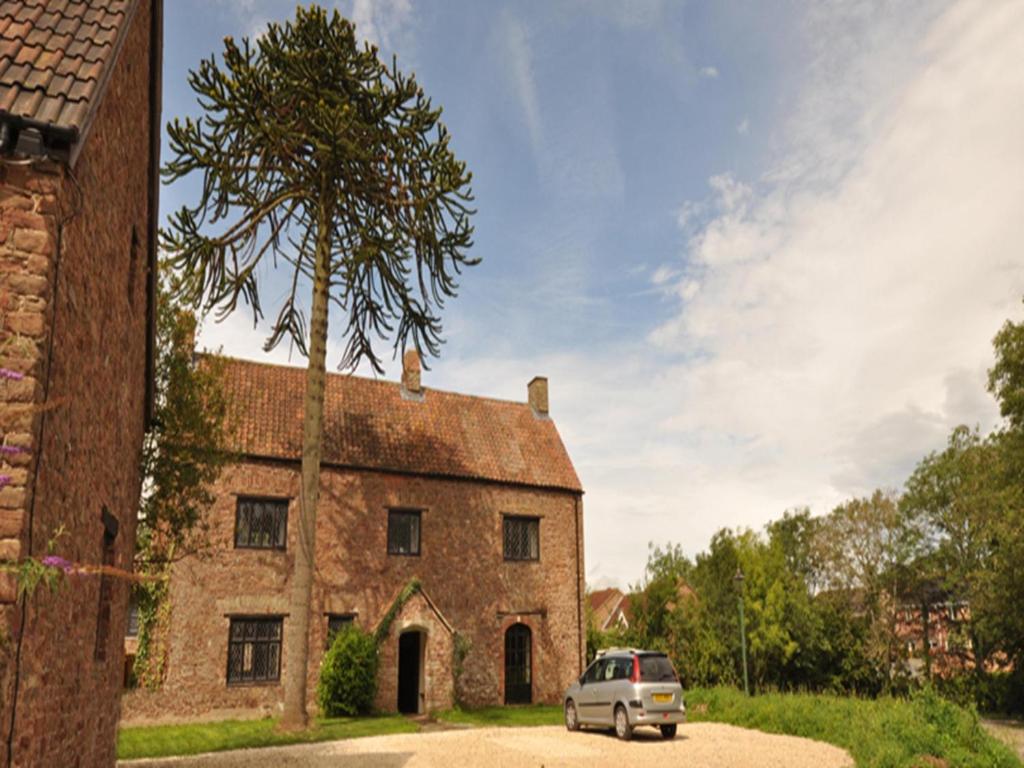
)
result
[(738, 578)]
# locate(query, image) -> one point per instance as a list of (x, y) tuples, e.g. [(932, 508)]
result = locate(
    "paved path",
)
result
[(710, 745), (1009, 731)]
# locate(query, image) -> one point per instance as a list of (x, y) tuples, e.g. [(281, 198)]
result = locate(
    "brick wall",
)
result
[(461, 568), (73, 297)]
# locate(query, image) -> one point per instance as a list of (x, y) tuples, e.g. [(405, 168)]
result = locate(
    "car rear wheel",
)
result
[(668, 731), (622, 727), (572, 721)]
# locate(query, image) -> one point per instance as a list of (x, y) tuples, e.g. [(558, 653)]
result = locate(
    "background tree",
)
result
[(316, 155), (183, 454)]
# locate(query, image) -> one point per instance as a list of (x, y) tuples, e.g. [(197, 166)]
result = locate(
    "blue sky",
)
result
[(760, 249)]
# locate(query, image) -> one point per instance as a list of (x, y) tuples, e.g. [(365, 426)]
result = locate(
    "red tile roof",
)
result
[(369, 424), (55, 55)]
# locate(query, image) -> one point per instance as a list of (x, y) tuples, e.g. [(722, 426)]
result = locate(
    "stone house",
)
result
[(473, 499), (79, 157)]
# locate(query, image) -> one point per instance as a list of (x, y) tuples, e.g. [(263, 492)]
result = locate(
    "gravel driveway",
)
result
[(709, 745)]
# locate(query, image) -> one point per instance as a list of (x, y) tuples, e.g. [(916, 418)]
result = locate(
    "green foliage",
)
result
[(1006, 378), (154, 616), (348, 674), (315, 154), (135, 743), (414, 587), (461, 647), (880, 733), (185, 450)]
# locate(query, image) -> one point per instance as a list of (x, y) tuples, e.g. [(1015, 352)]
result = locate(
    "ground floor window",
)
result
[(337, 622), (254, 650), (518, 665)]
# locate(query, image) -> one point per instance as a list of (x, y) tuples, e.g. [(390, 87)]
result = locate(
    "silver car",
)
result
[(624, 688)]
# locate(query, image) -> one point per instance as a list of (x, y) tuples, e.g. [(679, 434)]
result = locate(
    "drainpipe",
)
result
[(580, 648)]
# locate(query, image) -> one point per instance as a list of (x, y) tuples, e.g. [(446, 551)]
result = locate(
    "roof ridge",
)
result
[(369, 379)]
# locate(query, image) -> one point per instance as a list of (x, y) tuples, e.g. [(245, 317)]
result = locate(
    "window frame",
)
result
[(510, 518), (277, 618), (242, 499), (394, 512)]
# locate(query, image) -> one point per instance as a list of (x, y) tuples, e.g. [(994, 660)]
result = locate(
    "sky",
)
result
[(760, 249)]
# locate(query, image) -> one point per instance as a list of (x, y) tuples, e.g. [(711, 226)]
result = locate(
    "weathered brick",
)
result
[(23, 219), (38, 264), (15, 200), (29, 323), (33, 240), (461, 567), (12, 498), (11, 522), (10, 549), (8, 588), (22, 391), (36, 285)]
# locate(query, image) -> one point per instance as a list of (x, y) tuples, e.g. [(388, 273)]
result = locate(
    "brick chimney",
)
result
[(411, 372), (537, 395)]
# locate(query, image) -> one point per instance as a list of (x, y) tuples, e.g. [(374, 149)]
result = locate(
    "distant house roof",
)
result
[(609, 607), (55, 58), (369, 424)]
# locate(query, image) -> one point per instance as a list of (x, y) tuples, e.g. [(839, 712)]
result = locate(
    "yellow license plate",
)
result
[(662, 698)]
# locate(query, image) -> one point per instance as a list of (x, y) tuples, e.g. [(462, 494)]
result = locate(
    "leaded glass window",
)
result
[(522, 538), (261, 523), (254, 650), (403, 532)]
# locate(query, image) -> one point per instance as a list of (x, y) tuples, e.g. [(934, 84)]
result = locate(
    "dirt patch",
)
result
[(711, 745)]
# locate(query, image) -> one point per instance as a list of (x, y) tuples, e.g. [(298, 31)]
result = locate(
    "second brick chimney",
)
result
[(411, 372), (537, 395)]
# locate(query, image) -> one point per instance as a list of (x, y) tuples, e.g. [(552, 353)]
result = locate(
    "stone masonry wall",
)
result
[(73, 263), (461, 568)]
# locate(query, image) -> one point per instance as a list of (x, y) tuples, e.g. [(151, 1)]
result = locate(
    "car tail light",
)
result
[(635, 676)]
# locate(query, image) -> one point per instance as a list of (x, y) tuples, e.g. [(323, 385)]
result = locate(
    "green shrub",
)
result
[(879, 733), (348, 674)]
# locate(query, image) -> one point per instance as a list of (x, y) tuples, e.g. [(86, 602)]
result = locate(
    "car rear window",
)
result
[(656, 669)]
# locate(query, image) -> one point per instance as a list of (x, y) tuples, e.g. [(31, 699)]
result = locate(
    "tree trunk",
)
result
[(296, 636)]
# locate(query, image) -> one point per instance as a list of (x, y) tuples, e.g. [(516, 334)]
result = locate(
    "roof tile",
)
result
[(53, 54), (369, 424)]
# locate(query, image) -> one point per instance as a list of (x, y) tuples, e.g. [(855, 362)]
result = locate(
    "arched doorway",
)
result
[(518, 665), (411, 645)]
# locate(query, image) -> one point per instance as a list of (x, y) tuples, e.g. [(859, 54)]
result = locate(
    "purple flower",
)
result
[(7, 373), (5, 480), (55, 561), (11, 450)]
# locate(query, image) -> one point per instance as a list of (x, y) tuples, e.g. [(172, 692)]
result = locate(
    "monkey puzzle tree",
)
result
[(314, 154)]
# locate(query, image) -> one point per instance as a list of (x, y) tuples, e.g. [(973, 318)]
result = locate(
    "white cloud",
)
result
[(519, 58), (845, 313), (743, 126), (708, 72), (381, 21)]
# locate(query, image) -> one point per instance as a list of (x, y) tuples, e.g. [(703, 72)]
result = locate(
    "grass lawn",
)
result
[(194, 738), (536, 714), (880, 733)]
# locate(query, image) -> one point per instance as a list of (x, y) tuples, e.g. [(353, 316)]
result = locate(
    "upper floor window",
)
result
[(261, 523), (522, 538), (403, 532), (254, 650)]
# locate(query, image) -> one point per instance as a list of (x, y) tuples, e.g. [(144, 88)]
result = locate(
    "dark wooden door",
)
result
[(409, 673), (518, 688)]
